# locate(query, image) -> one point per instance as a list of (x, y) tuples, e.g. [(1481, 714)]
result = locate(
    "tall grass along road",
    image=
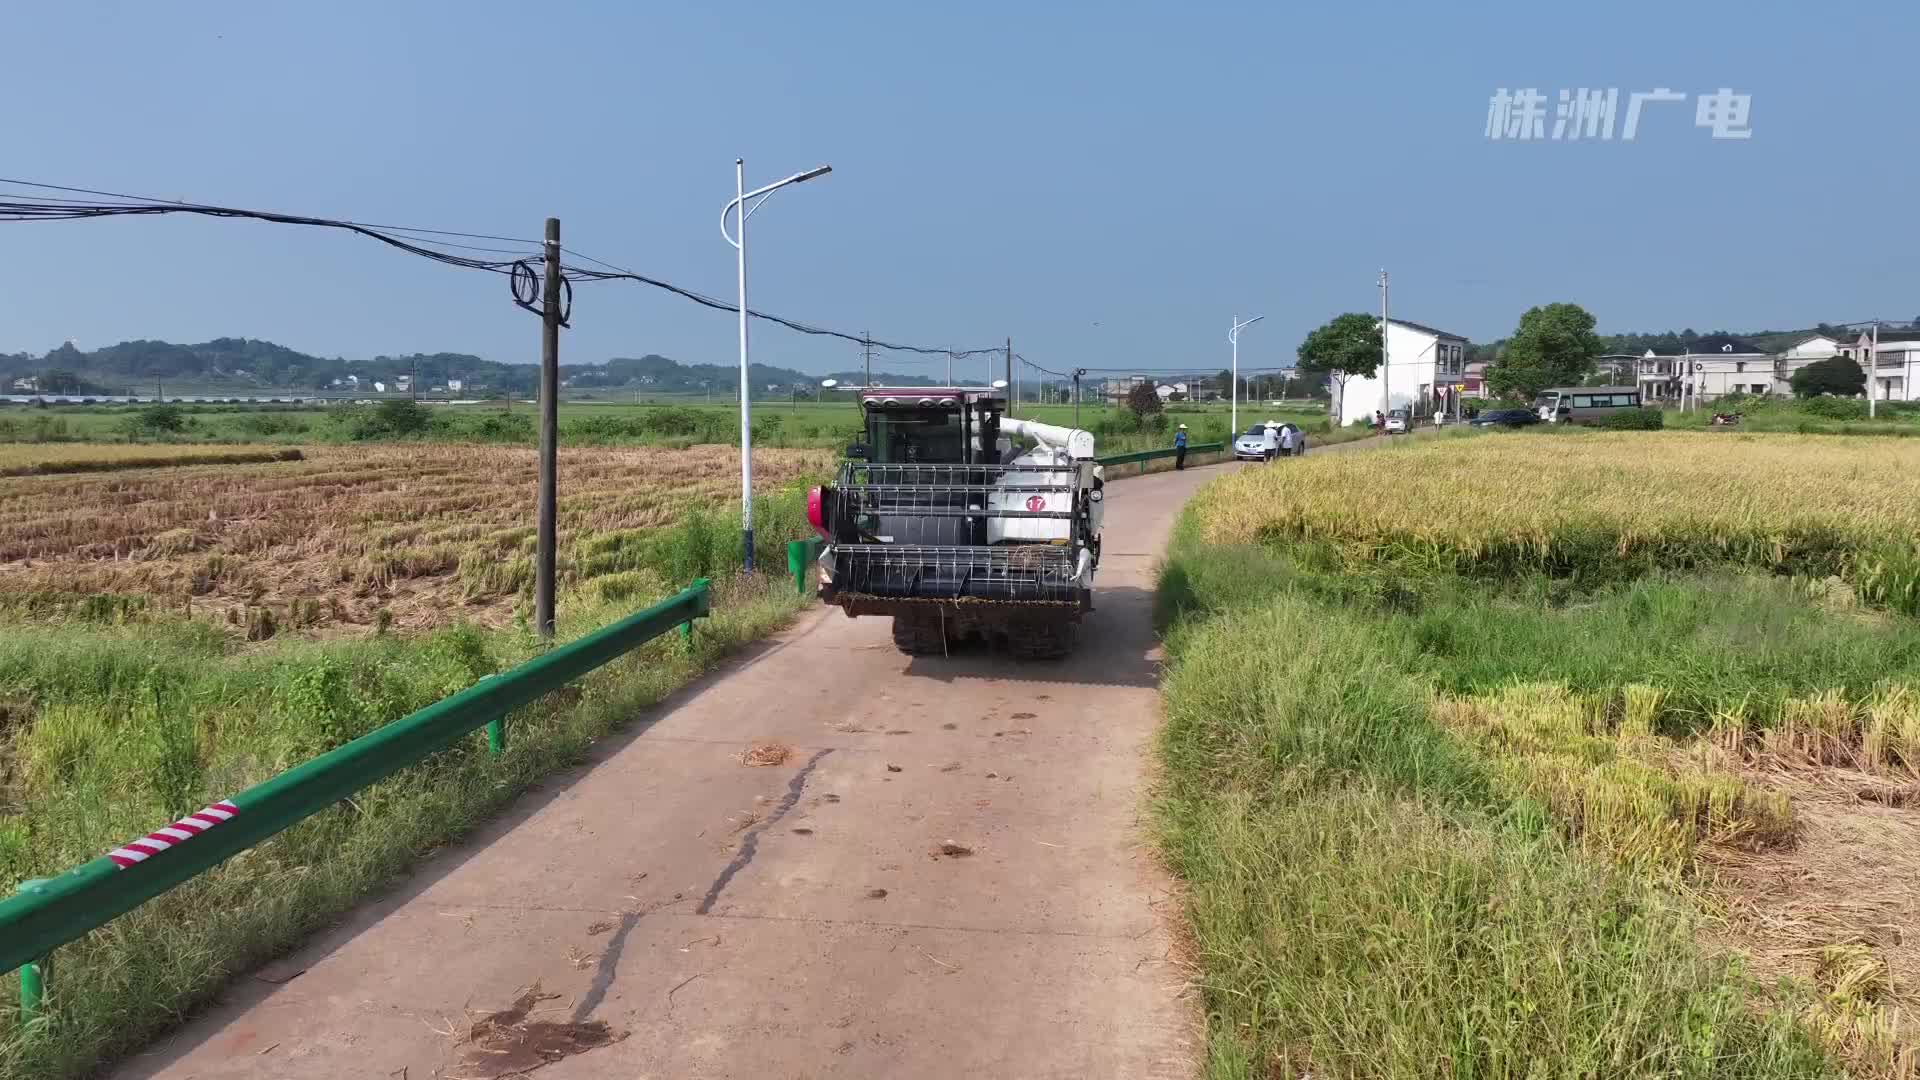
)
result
[(1551, 757)]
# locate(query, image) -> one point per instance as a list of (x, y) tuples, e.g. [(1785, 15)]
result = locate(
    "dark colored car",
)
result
[(1506, 418)]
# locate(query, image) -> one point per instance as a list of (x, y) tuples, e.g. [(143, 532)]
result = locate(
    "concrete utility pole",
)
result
[(549, 437), (866, 350), (1014, 400), (1873, 365), (1386, 353)]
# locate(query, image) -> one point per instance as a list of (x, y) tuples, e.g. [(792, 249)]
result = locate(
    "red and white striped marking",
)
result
[(139, 851)]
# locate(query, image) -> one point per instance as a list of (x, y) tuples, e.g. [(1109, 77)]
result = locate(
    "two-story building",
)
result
[(1718, 365), (1422, 364), (1808, 350), (1892, 365)]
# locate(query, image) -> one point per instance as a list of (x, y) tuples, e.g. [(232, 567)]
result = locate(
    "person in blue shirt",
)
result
[(1180, 447)]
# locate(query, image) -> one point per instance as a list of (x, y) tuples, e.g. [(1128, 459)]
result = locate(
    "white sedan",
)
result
[(1268, 440), (1260, 443)]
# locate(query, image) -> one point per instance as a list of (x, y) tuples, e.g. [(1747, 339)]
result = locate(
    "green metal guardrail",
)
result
[(45, 914), (1143, 456)]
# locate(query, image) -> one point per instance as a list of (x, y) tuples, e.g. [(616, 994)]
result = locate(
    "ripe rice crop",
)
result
[(39, 459), (1600, 506), (410, 535)]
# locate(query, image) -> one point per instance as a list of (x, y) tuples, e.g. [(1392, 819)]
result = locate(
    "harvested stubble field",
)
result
[(1593, 752), (350, 537)]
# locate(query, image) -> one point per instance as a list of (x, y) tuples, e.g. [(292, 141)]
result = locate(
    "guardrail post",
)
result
[(797, 565), (497, 735), (33, 976)]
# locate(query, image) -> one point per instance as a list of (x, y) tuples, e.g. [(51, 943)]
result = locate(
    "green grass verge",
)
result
[(1369, 898), (134, 725)]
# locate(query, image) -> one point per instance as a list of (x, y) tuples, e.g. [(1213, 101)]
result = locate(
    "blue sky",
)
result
[(1106, 184)]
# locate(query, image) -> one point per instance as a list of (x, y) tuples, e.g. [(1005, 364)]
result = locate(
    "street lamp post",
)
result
[(738, 238), (1233, 338)]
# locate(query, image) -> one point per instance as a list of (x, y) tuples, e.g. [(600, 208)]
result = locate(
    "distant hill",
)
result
[(254, 364)]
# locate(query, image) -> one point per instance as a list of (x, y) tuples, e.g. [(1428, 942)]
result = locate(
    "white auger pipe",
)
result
[(1077, 444)]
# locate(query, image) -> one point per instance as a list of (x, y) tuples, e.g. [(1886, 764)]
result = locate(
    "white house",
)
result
[(1894, 374), (1717, 365), (1806, 351), (1422, 365), (456, 385)]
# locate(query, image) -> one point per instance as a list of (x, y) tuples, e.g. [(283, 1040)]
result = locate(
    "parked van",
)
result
[(1585, 404)]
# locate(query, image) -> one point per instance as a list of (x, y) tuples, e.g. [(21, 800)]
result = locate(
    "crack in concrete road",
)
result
[(750, 844)]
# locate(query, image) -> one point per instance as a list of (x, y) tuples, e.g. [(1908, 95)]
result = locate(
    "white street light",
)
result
[(738, 238), (1233, 338)]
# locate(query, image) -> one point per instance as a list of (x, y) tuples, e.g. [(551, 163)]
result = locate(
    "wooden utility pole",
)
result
[(543, 559)]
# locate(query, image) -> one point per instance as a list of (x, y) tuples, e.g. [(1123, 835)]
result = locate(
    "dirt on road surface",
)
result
[(946, 873)]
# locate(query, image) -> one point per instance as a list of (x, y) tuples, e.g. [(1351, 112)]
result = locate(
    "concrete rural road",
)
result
[(798, 920)]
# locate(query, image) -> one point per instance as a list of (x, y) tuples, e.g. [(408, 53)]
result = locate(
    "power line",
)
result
[(17, 206)]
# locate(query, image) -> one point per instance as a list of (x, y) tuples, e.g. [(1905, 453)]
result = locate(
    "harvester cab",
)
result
[(958, 521)]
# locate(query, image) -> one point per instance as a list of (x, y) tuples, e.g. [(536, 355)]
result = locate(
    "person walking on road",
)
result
[(1180, 448)]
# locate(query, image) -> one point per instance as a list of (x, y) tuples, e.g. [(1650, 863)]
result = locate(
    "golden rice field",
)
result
[(1589, 502), (411, 536)]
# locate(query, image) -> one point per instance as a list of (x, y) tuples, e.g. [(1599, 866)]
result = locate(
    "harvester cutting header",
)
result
[(941, 522)]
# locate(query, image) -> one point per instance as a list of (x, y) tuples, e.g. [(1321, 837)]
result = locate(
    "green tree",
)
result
[(1836, 375), (1554, 345), (156, 421), (1142, 399), (1347, 346)]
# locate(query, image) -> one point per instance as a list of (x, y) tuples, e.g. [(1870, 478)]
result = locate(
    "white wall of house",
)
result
[(1739, 373), (1419, 361), (1895, 370)]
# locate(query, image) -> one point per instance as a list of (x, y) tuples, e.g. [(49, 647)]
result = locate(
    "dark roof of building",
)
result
[(1896, 335), (1722, 344), (1428, 330)]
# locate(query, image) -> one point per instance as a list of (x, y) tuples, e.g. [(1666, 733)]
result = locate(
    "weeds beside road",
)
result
[(132, 726)]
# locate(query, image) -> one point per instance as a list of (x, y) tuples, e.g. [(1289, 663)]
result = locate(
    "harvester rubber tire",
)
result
[(1041, 639), (920, 634)]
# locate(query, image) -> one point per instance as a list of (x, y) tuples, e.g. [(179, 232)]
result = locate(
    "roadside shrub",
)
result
[(1635, 420), (1835, 408), (270, 423), (399, 419), (504, 427), (155, 421)]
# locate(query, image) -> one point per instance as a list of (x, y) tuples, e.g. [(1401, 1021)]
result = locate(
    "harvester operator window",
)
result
[(921, 436)]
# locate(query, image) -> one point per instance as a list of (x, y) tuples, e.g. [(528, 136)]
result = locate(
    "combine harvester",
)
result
[(937, 521)]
